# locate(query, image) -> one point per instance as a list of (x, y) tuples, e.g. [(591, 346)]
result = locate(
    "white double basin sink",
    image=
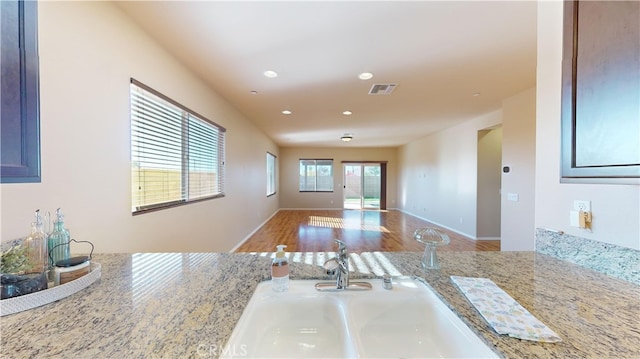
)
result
[(407, 321)]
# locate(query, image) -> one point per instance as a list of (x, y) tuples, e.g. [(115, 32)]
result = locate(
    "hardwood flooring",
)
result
[(362, 231)]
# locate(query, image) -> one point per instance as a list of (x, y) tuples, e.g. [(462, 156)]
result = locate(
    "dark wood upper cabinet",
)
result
[(601, 92), (20, 114)]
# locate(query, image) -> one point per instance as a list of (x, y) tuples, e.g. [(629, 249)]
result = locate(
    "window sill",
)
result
[(173, 204)]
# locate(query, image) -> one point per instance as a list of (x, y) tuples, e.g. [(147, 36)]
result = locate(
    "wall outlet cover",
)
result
[(584, 206)]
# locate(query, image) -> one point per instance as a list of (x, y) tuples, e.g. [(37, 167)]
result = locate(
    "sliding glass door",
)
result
[(362, 185)]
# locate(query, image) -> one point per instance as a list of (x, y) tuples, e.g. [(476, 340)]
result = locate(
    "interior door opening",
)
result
[(362, 186)]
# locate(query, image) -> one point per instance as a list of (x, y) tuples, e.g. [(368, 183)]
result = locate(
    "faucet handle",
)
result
[(342, 247)]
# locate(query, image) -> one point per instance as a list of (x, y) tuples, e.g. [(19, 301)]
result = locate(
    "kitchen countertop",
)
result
[(179, 305)]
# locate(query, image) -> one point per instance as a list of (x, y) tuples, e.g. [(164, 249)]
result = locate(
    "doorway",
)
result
[(489, 177), (363, 185)]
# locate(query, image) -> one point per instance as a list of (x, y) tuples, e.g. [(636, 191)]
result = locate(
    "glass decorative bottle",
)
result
[(59, 240), (36, 244)]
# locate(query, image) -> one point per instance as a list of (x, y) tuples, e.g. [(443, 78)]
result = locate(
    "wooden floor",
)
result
[(362, 231)]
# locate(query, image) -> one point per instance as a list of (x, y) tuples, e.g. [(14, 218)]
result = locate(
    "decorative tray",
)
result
[(28, 301)]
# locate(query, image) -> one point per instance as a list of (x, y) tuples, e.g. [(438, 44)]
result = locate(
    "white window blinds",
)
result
[(177, 156), (316, 175)]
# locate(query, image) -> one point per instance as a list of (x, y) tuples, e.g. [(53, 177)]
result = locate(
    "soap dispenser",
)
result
[(36, 244), (280, 270), (59, 240)]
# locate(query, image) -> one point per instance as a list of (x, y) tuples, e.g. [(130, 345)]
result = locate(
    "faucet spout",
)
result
[(339, 265)]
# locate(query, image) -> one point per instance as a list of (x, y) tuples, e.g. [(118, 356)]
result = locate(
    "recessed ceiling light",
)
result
[(347, 137), (270, 74), (347, 113), (254, 92), (286, 112), (476, 94), (365, 76)]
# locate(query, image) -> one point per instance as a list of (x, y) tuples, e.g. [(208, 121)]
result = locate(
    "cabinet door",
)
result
[(601, 92), (19, 116)]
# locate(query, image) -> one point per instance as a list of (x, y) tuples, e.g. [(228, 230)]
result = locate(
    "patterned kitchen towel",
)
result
[(502, 312)]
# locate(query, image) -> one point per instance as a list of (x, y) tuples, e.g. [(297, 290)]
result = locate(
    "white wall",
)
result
[(88, 53), (518, 152), (616, 208), (291, 197), (438, 175)]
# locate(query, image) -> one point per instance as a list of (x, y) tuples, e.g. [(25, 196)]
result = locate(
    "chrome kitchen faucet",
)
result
[(339, 266)]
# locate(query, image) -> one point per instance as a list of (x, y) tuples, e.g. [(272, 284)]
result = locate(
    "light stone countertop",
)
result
[(185, 305)]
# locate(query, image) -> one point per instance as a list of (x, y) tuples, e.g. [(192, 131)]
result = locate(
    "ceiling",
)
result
[(439, 53)]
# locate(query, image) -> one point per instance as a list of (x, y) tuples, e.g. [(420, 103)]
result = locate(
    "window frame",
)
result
[(186, 116), (271, 174), (315, 190)]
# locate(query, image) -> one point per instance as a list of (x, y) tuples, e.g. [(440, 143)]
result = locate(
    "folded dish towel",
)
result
[(502, 312)]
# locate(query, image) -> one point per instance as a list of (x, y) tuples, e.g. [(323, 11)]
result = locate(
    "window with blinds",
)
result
[(177, 156), (316, 175)]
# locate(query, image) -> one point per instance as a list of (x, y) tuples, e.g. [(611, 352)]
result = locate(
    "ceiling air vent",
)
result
[(382, 89)]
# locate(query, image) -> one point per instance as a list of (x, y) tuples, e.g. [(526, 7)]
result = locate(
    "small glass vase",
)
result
[(431, 238), (430, 258)]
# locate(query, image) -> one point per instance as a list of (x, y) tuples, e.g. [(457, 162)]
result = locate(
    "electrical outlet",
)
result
[(584, 206)]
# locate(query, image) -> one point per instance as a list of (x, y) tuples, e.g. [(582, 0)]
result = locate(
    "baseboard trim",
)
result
[(441, 225), (336, 209), (310, 209), (254, 231)]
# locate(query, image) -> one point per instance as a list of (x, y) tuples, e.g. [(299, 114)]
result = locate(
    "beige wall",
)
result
[(88, 53), (288, 164), (438, 175), (616, 208), (489, 183), (518, 152)]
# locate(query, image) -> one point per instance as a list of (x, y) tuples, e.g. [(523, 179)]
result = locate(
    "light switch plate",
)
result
[(512, 197)]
